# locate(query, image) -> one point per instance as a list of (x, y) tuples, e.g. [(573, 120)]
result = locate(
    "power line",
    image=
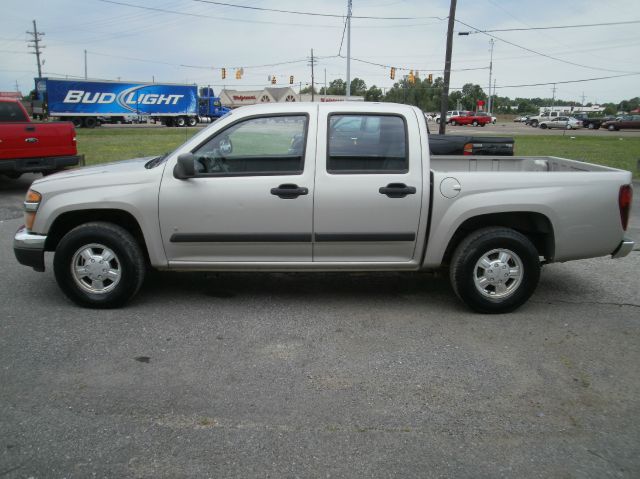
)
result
[(540, 53), (342, 39), (403, 68), (568, 81), (557, 27), (313, 14)]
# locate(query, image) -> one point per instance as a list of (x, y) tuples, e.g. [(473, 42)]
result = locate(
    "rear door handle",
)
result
[(289, 191), (31, 140), (397, 190), (30, 128)]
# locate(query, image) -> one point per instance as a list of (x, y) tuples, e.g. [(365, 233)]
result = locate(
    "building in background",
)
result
[(237, 98)]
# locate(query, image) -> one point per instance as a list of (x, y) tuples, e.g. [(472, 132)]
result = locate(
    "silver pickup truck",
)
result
[(323, 187)]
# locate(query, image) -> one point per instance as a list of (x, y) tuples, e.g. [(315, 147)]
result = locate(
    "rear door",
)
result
[(369, 190)]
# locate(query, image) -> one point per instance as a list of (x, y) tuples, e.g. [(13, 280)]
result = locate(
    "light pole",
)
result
[(349, 50), (490, 103)]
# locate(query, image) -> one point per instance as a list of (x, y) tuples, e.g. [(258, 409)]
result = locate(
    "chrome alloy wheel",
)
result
[(498, 273), (96, 268)]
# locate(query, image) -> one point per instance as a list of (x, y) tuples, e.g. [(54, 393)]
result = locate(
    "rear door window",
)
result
[(10, 111), (367, 144)]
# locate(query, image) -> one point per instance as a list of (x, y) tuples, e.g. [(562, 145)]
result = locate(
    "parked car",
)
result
[(27, 146), (587, 122), (564, 122), (624, 122), (535, 120), (493, 119), (470, 118), (450, 113), (370, 199), (520, 119)]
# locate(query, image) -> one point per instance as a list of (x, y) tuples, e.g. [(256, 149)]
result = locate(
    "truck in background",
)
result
[(89, 103)]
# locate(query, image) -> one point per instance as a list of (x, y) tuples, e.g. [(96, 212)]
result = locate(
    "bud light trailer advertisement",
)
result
[(77, 97)]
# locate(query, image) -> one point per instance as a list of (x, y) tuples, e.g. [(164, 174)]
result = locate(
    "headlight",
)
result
[(31, 203)]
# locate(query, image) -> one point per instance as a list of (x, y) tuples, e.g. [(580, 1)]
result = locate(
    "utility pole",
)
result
[(17, 87), (349, 50), (312, 62), (36, 38), (582, 99), (553, 100), (85, 64), (325, 83), (490, 103), (444, 103), (494, 94)]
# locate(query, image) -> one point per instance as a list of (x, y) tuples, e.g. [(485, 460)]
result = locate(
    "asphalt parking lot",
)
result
[(319, 375)]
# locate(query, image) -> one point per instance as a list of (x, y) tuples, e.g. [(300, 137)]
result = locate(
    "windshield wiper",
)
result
[(156, 161)]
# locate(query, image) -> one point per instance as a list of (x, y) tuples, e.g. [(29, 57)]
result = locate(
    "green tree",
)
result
[(358, 87), (308, 89), (373, 94)]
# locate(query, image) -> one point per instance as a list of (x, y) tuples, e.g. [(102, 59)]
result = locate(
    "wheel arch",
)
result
[(535, 226), (65, 222)]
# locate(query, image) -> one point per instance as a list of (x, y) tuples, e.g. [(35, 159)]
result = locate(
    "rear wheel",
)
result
[(99, 265), (534, 124), (179, 121), (168, 121), (543, 126), (568, 127), (453, 123), (475, 123), (611, 128), (77, 122), (495, 270), (90, 122), (591, 126), (192, 121)]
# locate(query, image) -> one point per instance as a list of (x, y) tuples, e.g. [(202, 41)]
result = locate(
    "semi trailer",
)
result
[(89, 103)]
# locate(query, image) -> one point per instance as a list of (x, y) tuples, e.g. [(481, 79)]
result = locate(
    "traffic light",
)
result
[(412, 78), (238, 74), (273, 79), (392, 73), (224, 73), (291, 80), (430, 78)]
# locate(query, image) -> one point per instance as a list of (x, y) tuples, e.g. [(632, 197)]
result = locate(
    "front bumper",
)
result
[(29, 248), (625, 247)]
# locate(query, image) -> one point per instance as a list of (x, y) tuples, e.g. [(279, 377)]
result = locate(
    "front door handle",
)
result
[(31, 140), (289, 191), (397, 190), (30, 128)]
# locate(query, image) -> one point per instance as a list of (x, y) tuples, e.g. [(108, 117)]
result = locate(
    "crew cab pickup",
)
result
[(33, 147), (323, 187)]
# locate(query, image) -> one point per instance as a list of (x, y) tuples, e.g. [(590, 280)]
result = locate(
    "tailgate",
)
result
[(37, 140)]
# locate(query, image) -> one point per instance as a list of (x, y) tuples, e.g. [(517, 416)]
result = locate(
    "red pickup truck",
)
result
[(471, 118), (34, 147)]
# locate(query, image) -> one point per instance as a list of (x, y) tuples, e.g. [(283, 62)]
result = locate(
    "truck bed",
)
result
[(511, 163)]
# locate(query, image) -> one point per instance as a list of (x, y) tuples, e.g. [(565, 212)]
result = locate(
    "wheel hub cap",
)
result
[(498, 273), (96, 268)]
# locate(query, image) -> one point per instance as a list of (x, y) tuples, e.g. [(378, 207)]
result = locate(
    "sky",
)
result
[(191, 46)]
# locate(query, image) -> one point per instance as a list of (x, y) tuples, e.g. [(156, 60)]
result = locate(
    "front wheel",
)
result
[(495, 270), (179, 121), (475, 123), (99, 265), (591, 126), (543, 126), (453, 123), (611, 128), (192, 121)]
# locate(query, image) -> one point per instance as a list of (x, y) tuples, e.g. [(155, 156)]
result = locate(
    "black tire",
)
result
[(611, 128), (168, 121), (179, 121), (90, 122), (482, 124), (192, 121), (438, 121), (77, 121), (463, 272), (475, 123), (453, 123), (130, 261), (543, 126), (591, 126), (534, 124)]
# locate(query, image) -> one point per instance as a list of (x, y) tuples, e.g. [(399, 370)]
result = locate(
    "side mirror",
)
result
[(185, 167)]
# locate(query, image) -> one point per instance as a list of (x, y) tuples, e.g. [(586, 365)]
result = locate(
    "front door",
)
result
[(252, 197), (369, 187)]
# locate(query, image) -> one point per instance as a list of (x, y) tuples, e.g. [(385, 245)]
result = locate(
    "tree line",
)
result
[(427, 97)]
